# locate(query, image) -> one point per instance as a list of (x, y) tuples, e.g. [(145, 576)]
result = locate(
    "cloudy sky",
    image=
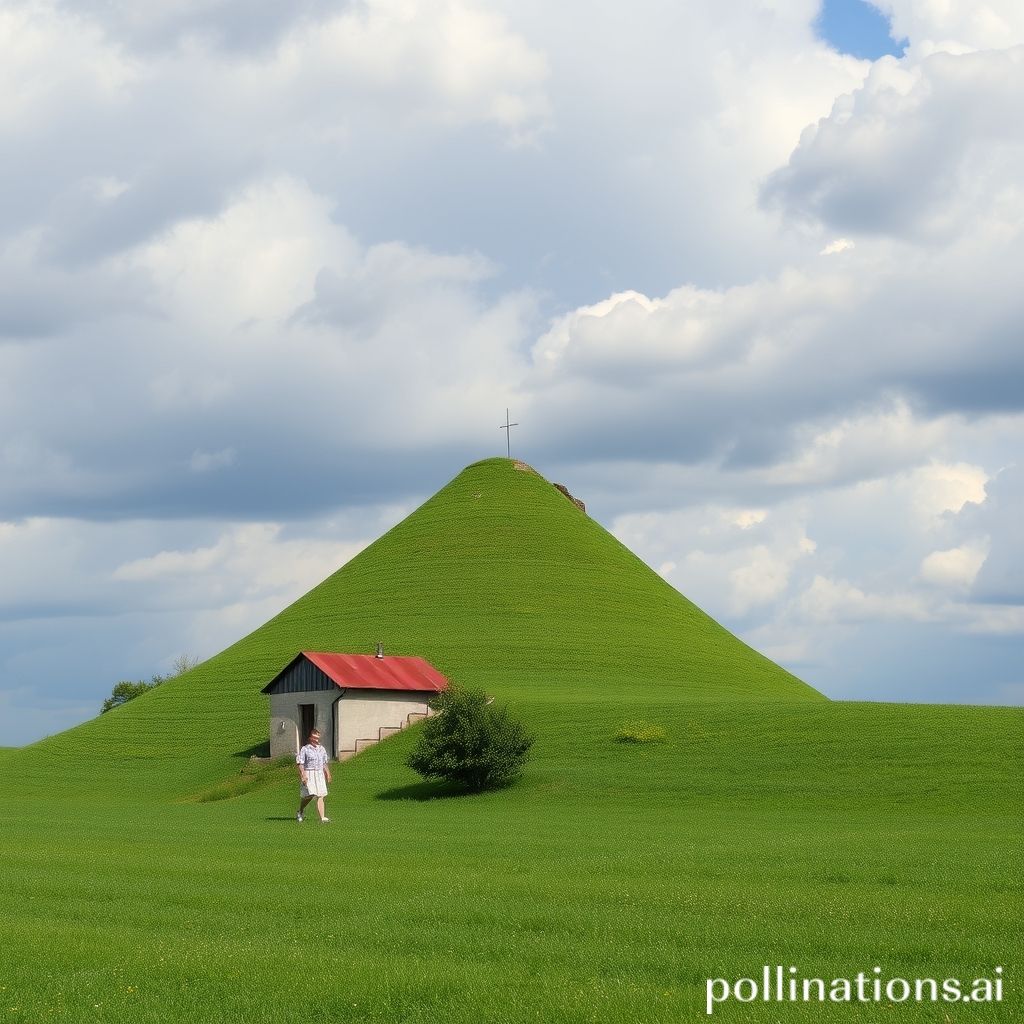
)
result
[(747, 272)]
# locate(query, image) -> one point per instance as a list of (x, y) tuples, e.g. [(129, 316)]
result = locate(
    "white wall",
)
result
[(362, 713), (285, 719), (360, 716)]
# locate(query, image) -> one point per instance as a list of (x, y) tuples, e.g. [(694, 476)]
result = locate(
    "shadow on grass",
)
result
[(424, 791), (253, 775), (447, 790), (261, 749)]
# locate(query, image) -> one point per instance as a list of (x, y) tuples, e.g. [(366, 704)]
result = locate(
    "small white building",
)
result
[(354, 700)]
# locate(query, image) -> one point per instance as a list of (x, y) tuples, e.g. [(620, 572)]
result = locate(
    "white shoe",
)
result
[(298, 817), (324, 821)]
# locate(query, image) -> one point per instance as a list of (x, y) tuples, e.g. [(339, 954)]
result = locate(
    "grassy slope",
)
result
[(500, 581)]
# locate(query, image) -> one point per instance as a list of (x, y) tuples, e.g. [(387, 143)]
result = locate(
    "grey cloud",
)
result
[(241, 26), (362, 297), (148, 473), (924, 334), (315, 388), (986, 390), (924, 663), (40, 301), (84, 229)]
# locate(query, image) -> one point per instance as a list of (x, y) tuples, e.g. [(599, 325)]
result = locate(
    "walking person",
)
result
[(314, 774)]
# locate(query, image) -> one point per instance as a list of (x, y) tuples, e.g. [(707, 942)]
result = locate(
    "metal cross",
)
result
[(507, 427)]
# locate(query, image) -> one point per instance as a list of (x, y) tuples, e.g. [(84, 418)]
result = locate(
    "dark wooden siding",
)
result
[(302, 677)]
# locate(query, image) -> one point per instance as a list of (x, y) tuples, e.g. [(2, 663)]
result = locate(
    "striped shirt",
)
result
[(312, 759)]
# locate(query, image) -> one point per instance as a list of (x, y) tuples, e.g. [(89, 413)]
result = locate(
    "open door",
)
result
[(307, 722)]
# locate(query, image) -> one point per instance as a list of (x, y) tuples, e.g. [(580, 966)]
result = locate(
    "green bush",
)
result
[(471, 742), (641, 732), (127, 690)]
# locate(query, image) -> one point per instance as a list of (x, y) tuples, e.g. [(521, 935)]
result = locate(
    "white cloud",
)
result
[(859, 447), (169, 563), (48, 58), (995, 620), (828, 600), (820, 375), (745, 518), (836, 246), (462, 55), (955, 567), (254, 557), (1000, 579), (256, 261), (108, 188), (206, 462), (760, 580), (265, 307), (863, 559), (55, 568), (957, 25), (882, 162), (732, 561), (454, 60), (940, 487)]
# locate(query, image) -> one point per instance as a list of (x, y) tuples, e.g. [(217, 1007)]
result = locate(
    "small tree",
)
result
[(182, 663), (127, 690), (471, 742)]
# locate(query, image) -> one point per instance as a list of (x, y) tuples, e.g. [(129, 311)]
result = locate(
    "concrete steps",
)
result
[(382, 734)]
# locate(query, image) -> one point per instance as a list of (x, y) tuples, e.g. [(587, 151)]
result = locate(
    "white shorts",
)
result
[(315, 785)]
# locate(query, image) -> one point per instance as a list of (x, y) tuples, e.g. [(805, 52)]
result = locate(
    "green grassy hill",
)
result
[(148, 880), (500, 581)]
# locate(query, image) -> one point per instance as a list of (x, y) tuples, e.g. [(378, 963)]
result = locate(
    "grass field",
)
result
[(770, 827), (607, 885)]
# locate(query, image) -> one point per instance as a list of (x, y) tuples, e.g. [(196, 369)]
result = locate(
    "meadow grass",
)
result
[(607, 884), (150, 873)]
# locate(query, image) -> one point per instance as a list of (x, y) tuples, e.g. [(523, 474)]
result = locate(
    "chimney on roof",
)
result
[(380, 649)]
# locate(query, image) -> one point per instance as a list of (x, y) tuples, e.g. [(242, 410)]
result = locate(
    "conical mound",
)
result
[(498, 580)]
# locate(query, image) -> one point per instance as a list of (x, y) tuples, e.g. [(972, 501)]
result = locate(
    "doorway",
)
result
[(307, 722)]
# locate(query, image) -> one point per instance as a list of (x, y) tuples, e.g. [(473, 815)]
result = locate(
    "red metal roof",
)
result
[(367, 672)]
